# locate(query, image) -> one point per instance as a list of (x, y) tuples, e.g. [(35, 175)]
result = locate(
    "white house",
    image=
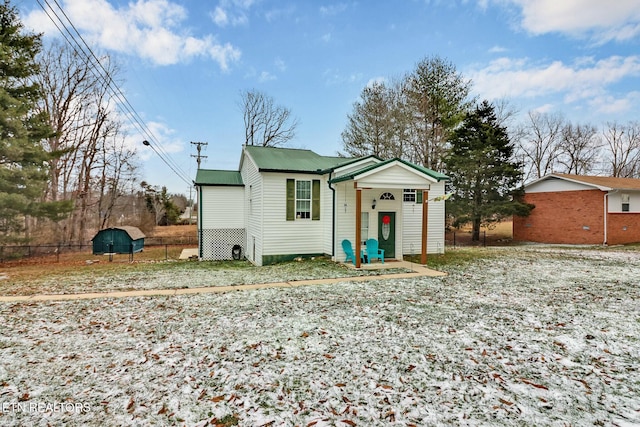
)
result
[(284, 203)]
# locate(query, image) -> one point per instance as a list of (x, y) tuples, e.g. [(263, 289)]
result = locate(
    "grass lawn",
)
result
[(512, 336)]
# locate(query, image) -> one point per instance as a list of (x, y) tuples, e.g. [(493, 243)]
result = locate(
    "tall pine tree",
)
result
[(486, 181), (23, 160)]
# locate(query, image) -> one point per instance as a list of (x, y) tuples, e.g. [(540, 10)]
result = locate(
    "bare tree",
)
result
[(540, 143), (623, 144), (116, 163), (93, 164), (580, 147), (370, 127), (266, 123)]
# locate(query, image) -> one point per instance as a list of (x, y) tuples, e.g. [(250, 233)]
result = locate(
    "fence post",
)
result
[(484, 240), (58, 253), (166, 252)]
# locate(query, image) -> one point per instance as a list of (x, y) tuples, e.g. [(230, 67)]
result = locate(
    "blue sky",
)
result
[(185, 62)]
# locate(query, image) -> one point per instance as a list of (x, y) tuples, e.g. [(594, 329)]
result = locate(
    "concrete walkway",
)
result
[(417, 271)]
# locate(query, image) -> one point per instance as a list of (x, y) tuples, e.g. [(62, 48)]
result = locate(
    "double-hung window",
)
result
[(303, 199)]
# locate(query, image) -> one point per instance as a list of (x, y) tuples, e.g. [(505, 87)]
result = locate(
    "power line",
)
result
[(102, 73)]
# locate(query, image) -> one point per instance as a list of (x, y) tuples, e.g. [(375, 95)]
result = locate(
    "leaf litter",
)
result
[(533, 337)]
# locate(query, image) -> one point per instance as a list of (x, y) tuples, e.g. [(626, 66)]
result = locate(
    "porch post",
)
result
[(358, 225), (425, 226)]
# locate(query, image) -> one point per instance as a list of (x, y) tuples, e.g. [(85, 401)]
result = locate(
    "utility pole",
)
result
[(199, 148)]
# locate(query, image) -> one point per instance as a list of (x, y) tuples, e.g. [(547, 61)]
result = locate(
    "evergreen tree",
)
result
[(23, 161), (486, 181)]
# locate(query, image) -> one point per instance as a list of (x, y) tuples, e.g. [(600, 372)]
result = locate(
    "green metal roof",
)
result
[(218, 177), (272, 159), (433, 174)]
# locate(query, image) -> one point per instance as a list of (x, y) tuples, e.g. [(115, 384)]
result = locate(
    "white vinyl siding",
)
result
[(412, 219), (617, 201), (254, 208), (222, 207), (282, 237)]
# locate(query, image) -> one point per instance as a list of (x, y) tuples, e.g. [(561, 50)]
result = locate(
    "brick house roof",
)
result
[(604, 183)]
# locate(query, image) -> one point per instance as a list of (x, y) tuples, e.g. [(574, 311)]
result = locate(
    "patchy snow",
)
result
[(533, 337)]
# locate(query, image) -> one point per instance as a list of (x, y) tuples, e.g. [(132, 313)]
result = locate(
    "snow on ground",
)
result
[(529, 338), (176, 275)]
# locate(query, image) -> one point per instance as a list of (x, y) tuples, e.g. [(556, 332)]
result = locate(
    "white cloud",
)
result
[(231, 12), (166, 141), (266, 76), (586, 79), (149, 29), (497, 49), (280, 64), (609, 104), (333, 10), (604, 20), (220, 17)]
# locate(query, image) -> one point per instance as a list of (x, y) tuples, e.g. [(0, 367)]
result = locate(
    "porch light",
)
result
[(373, 204)]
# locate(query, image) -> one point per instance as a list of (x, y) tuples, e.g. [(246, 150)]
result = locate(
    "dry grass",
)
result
[(175, 231), (71, 263)]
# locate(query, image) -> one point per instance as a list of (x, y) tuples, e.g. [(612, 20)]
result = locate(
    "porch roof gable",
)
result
[(425, 173)]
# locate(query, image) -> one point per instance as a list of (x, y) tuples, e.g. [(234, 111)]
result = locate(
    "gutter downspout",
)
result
[(606, 211), (333, 217)]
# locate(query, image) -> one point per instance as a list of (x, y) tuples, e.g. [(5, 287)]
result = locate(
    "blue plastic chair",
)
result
[(373, 251), (348, 249)]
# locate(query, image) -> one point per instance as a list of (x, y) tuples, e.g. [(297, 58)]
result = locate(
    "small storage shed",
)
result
[(118, 240)]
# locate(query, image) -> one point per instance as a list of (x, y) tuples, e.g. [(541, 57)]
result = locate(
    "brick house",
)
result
[(575, 209)]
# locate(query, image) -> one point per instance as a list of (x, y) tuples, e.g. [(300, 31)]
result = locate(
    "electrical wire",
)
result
[(98, 69)]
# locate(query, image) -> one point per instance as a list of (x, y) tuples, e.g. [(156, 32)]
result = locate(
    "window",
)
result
[(364, 227), (409, 195), (625, 202), (303, 199), (387, 196), (412, 196)]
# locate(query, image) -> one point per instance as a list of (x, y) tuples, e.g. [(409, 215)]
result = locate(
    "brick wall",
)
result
[(572, 217), (623, 228)]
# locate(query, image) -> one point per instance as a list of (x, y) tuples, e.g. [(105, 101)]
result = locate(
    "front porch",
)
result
[(389, 202)]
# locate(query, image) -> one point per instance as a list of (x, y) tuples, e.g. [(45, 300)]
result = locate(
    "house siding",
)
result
[(254, 195), (412, 218), (570, 217), (222, 207), (221, 223), (298, 237)]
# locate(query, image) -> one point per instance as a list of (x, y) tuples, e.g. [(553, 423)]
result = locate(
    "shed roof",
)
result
[(604, 183), (218, 177), (133, 232)]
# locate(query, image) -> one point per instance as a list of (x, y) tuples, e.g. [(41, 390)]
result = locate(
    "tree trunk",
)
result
[(475, 235)]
